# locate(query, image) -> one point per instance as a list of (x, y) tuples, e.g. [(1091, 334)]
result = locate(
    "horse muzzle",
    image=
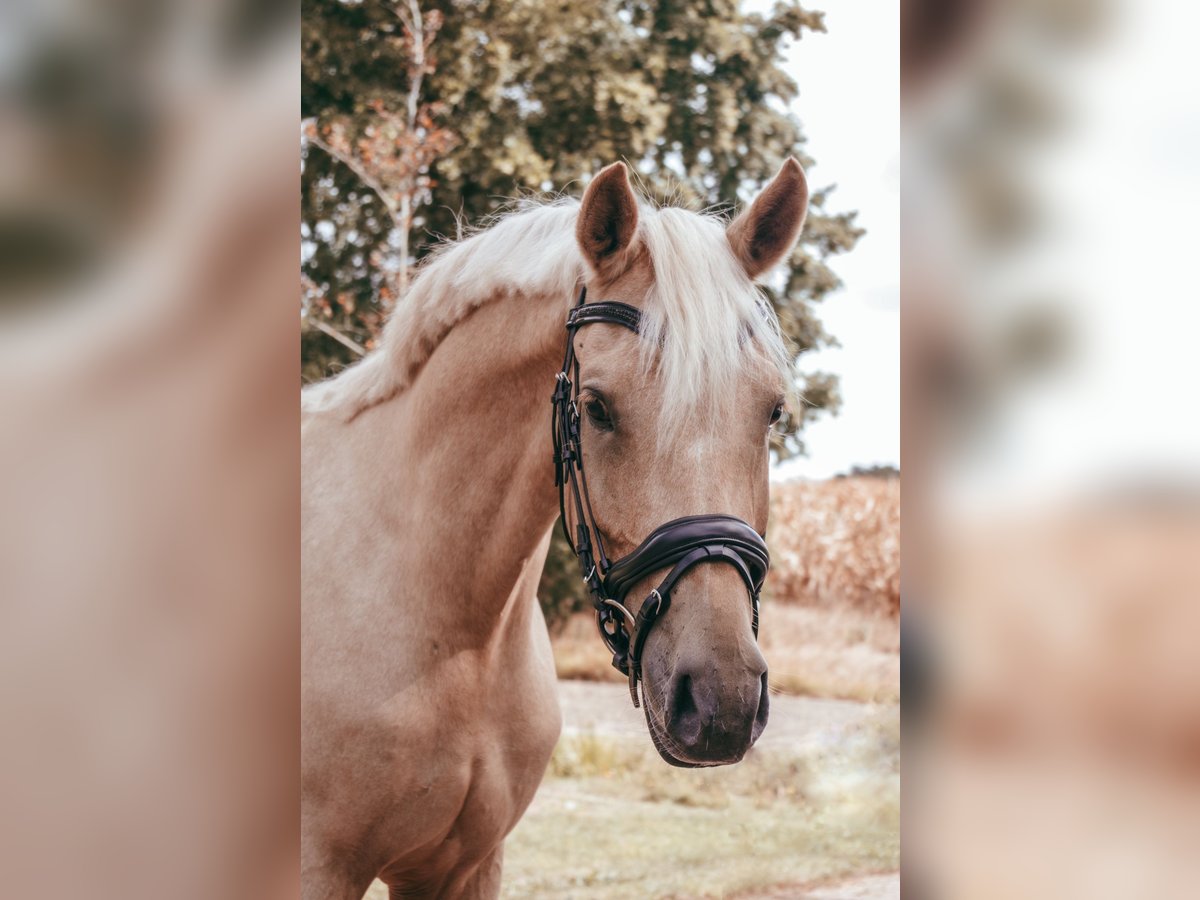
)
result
[(678, 546), (710, 716)]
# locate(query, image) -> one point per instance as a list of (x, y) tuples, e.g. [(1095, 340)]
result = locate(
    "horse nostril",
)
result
[(683, 716), (715, 718)]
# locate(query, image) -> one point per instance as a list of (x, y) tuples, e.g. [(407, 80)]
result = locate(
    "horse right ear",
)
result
[(766, 232), (608, 219)]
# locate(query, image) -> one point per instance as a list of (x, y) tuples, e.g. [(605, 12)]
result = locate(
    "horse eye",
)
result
[(598, 413), (777, 413)]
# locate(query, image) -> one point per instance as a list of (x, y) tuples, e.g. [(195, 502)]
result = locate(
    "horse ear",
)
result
[(767, 230), (608, 217)]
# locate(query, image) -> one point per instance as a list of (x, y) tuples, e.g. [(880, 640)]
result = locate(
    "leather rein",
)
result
[(677, 545)]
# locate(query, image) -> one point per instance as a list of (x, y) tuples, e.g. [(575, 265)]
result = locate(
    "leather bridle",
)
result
[(678, 544)]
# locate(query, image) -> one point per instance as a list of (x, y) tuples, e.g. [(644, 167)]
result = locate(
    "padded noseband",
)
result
[(678, 545)]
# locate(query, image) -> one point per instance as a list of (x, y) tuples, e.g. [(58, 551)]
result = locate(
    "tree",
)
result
[(388, 152), (532, 96)]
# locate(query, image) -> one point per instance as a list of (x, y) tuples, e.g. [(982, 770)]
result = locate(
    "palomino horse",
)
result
[(429, 700)]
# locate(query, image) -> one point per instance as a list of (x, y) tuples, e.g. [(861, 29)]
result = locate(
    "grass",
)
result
[(613, 821)]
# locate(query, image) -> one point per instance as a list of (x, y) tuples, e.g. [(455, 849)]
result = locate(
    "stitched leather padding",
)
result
[(670, 542), (612, 311)]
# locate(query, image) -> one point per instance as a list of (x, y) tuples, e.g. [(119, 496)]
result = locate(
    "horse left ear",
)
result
[(767, 230)]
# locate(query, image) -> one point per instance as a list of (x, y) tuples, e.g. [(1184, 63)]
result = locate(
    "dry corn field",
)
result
[(836, 544)]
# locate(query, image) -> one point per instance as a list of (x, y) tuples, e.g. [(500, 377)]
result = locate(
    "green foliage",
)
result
[(519, 97), (561, 589)]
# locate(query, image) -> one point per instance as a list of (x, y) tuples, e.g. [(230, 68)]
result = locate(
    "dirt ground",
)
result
[(869, 887), (591, 707)]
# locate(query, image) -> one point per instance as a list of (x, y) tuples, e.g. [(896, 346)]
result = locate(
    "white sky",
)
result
[(849, 106)]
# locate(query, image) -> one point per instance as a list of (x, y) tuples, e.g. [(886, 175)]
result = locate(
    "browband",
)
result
[(677, 545), (605, 311)]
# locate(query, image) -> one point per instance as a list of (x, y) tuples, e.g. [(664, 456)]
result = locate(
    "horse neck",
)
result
[(476, 476)]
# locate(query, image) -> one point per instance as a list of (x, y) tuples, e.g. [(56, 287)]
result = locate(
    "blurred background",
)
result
[(419, 121), (1051, 583)]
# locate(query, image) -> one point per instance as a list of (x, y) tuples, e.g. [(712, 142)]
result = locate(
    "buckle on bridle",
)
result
[(620, 607), (657, 606), (562, 388)]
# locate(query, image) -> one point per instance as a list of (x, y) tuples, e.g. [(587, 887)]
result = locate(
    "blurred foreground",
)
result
[(148, 456)]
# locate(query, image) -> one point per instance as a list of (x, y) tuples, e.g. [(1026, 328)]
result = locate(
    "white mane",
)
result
[(700, 318)]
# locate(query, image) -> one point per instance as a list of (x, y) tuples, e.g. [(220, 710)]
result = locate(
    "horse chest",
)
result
[(489, 738)]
